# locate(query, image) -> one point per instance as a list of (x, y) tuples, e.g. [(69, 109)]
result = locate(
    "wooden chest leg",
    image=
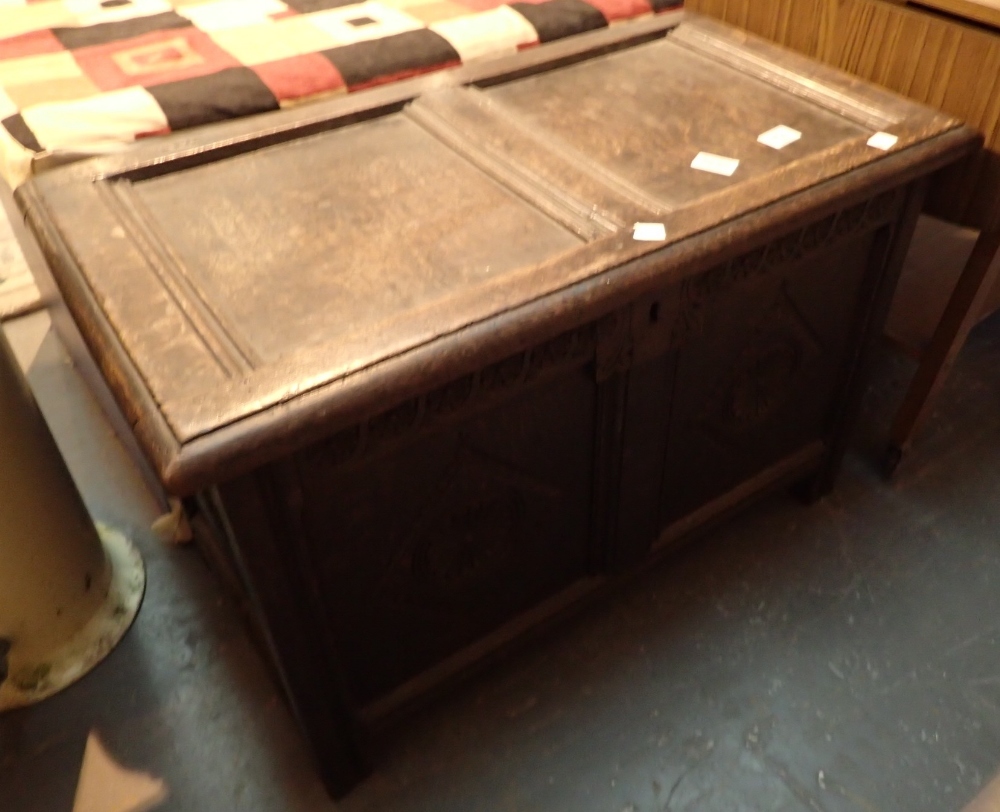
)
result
[(959, 317), (264, 545)]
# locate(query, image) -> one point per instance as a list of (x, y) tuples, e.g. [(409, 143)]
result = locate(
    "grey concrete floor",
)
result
[(842, 656)]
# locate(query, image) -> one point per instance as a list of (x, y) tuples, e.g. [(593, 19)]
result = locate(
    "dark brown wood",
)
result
[(430, 390), (268, 556), (788, 471), (77, 349), (893, 247)]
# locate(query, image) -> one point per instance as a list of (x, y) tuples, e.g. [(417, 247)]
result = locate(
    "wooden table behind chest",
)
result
[(944, 53), (423, 379)]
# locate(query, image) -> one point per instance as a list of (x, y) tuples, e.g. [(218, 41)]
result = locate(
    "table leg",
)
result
[(959, 317)]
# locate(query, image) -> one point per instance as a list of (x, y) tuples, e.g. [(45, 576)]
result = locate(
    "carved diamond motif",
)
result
[(763, 375)]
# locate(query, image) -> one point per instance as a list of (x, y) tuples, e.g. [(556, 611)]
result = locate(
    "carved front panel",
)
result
[(761, 360), (441, 536)]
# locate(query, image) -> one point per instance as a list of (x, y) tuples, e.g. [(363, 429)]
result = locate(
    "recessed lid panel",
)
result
[(305, 243), (645, 114)]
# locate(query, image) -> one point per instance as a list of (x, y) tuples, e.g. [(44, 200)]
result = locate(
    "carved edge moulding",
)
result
[(186, 437)]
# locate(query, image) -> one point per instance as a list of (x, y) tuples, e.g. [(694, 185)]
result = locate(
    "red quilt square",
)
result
[(299, 76), (152, 59), (30, 44), (621, 9)]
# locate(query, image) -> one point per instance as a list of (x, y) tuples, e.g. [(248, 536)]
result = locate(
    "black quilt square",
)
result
[(664, 5), (412, 52), (103, 33), (556, 19), (230, 93), (308, 6), (21, 132)]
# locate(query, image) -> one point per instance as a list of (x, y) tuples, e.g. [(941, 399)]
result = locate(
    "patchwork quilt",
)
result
[(83, 77)]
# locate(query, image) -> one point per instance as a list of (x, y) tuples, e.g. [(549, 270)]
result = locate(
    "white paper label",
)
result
[(883, 141), (649, 232), (779, 137), (716, 164)]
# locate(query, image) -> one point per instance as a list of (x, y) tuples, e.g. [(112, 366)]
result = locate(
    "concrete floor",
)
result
[(838, 657)]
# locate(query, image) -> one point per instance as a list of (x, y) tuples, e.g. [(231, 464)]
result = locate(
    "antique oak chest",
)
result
[(429, 384)]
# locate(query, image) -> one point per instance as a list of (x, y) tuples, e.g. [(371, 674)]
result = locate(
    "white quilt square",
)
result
[(271, 41), (363, 21), (492, 33), (96, 122), (222, 14)]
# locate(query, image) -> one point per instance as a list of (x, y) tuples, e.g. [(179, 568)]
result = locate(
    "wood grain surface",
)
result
[(277, 313)]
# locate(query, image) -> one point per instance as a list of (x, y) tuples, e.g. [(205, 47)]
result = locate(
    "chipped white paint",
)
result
[(68, 593)]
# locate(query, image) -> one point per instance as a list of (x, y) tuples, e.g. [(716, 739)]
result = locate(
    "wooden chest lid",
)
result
[(259, 284)]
